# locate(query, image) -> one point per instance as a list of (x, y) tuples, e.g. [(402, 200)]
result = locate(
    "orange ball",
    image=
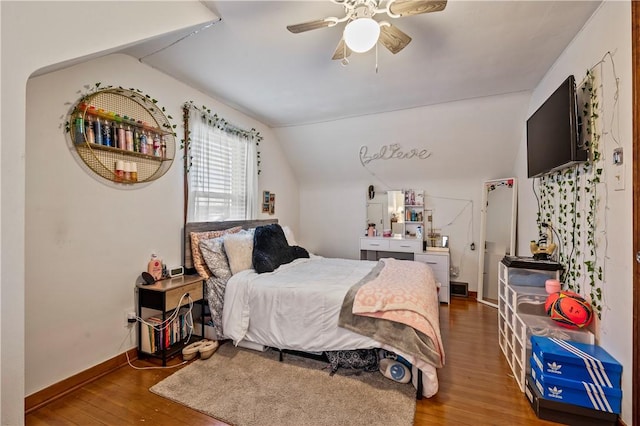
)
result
[(569, 309)]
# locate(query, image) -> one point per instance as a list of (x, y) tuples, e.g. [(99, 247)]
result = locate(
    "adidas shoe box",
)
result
[(569, 360), (564, 413), (584, 394)]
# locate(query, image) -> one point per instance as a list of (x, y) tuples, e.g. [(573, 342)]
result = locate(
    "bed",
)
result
[(308, 304)]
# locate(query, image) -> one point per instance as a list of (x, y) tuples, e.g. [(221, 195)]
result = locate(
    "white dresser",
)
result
[(439, 263), (374, 248)]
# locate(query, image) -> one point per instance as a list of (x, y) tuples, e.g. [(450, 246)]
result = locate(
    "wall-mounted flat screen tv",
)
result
[(553, 136)]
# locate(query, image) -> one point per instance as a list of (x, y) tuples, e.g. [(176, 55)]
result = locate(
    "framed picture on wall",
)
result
[(266, 199), (272, 203)]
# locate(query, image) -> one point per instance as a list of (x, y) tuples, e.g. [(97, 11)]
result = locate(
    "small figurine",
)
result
[(544, 248)]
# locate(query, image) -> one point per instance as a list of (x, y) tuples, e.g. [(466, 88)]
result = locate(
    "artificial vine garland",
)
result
[(569, 201), (147, 101), (219, 123)]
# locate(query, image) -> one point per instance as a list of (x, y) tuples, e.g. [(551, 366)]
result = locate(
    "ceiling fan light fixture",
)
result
[(361, 34)]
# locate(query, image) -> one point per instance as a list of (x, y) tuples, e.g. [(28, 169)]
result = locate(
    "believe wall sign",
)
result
[(391, 152)]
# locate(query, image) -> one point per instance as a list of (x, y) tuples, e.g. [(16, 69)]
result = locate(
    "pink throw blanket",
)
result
[(404, 292)]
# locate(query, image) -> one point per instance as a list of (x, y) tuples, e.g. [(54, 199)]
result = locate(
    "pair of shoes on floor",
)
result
[(204, 348)]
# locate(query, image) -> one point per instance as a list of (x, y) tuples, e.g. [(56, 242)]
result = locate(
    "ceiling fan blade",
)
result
[(312, 25), (342, 51), (401, 8), (393, 39)]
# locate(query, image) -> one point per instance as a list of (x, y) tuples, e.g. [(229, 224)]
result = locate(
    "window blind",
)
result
[(222, 180)]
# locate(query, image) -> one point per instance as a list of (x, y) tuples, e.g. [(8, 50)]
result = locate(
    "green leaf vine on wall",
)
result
[(219, 123), (569, 201), (150, 103)]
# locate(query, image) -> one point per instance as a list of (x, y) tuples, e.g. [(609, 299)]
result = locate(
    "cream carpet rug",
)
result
[(245, 388)]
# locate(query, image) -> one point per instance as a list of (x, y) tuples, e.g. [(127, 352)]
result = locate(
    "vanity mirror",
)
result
[(396, 212), (377, 210), (497, 234), (402, 212)]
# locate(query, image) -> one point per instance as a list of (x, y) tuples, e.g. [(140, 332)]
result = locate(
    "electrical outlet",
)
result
[(129, 318), (454, 272)]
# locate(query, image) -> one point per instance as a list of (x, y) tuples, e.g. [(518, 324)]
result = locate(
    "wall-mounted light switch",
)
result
[(618, 177), (617, 156)]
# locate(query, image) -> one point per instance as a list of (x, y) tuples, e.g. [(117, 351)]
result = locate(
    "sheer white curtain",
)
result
[(223, 179)]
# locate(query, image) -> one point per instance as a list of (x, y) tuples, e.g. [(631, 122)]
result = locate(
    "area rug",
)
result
[(245, 388)]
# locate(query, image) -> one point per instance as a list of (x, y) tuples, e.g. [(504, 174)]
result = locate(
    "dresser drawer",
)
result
[(173, 296), (439, 264), (407, 246), (374, 244)]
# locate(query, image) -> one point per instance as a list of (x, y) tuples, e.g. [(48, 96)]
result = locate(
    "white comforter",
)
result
[(296, 306)]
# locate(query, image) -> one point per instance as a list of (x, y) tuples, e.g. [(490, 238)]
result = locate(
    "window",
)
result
[(222, 176)]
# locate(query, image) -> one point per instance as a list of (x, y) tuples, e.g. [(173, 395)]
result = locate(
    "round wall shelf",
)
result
[(122, 135)]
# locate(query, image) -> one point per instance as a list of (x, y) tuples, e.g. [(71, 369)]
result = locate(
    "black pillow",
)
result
[(270, 249)]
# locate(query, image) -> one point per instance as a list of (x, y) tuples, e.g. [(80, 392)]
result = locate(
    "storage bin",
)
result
[(530, 300), (544, 326), (536, 325), (530, 277)]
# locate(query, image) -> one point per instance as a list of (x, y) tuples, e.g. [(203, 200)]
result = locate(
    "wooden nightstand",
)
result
[(166, 296)]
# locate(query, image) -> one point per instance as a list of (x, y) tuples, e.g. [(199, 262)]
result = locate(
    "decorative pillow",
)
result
[(270, 249), (288, 233), (196, 255), (239, 248), (215, 258)]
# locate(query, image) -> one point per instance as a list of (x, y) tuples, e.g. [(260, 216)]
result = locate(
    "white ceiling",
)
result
[(250, 61)]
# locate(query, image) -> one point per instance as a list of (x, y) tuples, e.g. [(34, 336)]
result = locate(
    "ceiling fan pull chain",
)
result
[(376, 58), (345, 61)]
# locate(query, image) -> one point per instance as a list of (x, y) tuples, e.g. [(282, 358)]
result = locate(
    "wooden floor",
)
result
[(475, 386)]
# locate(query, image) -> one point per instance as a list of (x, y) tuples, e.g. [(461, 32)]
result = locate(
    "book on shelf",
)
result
[(154, 336)]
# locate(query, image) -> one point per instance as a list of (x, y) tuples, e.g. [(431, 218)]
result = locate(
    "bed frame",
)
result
[(247, 224)]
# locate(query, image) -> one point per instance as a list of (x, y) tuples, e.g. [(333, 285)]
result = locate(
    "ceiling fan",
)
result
[(362, 32)]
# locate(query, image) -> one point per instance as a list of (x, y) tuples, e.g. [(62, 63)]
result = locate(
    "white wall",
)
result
[(470, 141), (332, 219), (91, 240), (35, 35), (55, 40), (609, 30)]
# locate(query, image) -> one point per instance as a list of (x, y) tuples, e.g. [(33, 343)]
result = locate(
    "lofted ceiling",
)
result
[(250, 61)]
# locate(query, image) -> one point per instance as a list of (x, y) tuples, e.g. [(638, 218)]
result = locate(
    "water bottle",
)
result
[(156, 146), (78, 130), (88, 131), (106, 133), (136, 140), (114, 134), (143, 143), (128, 137), (121, 139), (97, 131)]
